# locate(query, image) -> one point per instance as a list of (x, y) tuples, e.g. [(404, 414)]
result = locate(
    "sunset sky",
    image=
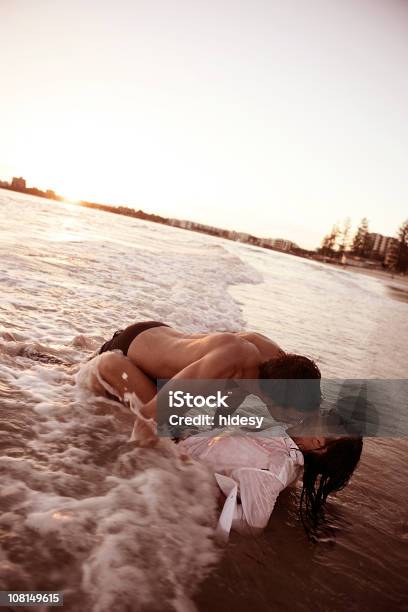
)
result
[(274, 117)]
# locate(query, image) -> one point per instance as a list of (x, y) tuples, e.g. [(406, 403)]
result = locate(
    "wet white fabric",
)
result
[(251, 471)]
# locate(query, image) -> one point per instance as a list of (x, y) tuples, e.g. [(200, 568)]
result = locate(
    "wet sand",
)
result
[(358, 564), (397, 284), (83, 509)]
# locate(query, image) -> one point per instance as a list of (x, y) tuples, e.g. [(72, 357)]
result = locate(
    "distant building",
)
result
[(267, 242), (283, 245), (378, 244), (391, 254), (185, 224), (18, 183), (239, 236), (383, 248)]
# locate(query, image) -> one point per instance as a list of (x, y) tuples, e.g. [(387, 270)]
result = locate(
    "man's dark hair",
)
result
[(291, 381), (324, 473)]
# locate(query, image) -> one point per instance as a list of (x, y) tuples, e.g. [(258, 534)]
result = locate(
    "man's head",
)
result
[(292, 382)]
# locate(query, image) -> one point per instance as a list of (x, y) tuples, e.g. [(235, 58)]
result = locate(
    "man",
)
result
[(152, 350)]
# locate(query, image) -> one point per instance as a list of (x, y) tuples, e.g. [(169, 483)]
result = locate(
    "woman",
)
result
[(251, 470)]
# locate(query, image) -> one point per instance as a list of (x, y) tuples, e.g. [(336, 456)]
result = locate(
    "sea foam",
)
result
[(83, 509)]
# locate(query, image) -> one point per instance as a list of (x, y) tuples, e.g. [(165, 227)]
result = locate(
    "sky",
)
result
[(269, 117)]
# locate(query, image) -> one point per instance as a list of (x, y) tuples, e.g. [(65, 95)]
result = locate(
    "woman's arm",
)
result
[(259, 490), (250, 494)]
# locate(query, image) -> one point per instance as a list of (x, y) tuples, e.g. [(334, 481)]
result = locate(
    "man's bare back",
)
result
[(153, 350), (164, 352)]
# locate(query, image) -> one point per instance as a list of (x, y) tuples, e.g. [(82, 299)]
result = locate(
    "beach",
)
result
[(85, 512), (395, 283)]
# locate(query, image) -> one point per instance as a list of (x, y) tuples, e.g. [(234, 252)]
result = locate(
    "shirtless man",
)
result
[(152, 350)]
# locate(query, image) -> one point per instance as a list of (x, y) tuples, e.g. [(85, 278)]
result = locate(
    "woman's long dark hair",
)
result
[(324, 473)]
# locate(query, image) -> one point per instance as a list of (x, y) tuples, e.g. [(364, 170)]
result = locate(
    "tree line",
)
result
[(340, 241)]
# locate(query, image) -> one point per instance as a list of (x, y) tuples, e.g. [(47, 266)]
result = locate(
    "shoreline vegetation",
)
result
[(341, 257)]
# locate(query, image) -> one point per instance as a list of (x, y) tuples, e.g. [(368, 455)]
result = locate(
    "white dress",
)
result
[(251, 470)]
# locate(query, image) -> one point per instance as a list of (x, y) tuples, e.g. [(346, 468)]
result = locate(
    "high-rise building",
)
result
[(379, 244), (391, 254)]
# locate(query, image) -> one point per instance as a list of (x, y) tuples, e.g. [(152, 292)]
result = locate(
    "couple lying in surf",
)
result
[(251, 469)]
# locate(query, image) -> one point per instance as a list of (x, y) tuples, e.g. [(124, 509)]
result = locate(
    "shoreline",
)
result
[(396, 285), (216, 232), (396, 280)]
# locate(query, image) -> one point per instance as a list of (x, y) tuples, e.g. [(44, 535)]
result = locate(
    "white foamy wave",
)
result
[(92, 286), (112, 525), (86, 511)]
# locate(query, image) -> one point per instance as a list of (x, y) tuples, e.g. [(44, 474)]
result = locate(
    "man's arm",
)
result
[(236, 396), (237, 359)]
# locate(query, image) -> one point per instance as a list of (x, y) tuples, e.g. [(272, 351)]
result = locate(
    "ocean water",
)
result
[(122, 528)]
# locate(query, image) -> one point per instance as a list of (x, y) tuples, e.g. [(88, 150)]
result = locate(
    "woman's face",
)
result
[(312, 443), (315, 443)]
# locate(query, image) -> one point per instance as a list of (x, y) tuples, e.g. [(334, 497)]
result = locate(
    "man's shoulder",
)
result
[(252, 336), (236, 351), (266, 347)]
